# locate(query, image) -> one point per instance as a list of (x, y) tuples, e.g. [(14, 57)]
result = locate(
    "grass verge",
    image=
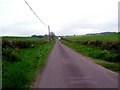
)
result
[(99, 56), (22, 73)]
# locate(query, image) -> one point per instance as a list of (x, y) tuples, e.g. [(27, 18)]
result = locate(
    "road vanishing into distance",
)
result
[(67, 69)]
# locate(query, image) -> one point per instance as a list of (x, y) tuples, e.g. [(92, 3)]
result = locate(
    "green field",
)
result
[(105, 37), (23, 59), (103, 49)]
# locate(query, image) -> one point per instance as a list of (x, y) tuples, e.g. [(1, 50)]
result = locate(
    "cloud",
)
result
[(22, 28), (85, 27), (63, 16)]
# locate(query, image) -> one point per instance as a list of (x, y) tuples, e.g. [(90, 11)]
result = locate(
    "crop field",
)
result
[(23, 58), (102, 48)]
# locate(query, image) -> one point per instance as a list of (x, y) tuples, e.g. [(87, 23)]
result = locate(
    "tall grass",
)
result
[(104, 52), (30, 58)]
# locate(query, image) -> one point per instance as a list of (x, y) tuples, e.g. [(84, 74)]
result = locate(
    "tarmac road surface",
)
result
[(67, 69)]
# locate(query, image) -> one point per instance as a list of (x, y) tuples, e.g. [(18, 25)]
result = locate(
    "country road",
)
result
[(67, 69)]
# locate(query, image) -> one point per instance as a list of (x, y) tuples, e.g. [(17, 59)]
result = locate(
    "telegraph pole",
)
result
[(49, 33)]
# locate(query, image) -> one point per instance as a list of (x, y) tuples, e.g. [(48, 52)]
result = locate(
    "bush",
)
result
[(98, 43), (6, 43), (91, 42), (86, 42), (10, 55), (106, 55), (113, 46), (22, 44), (77, 42), (15, 44)]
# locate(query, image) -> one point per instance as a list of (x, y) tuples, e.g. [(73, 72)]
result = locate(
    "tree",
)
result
[(52, 35)]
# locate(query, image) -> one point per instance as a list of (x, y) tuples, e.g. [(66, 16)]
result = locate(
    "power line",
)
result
[(34, 13), (39, 19)]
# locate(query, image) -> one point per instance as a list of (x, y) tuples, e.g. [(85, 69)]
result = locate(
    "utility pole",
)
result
[(49, 33)]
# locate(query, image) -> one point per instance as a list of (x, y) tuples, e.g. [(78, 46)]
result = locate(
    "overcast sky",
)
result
[(65, 17)]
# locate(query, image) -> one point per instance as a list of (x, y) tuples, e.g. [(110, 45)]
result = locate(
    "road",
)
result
[(67, 69)]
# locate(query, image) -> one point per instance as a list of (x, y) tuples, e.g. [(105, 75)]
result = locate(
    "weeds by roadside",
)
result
[(104, 57), (22, 60)]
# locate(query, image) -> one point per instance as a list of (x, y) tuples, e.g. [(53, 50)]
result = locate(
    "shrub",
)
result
[(98, 43), (105, 45), (10, 55), (90, 42), (77, 42), (106, 55), (22, 44), (113, 46), (6, 43), (85, 42), (15, 44)]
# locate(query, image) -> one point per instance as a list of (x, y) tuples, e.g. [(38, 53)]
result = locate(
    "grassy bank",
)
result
[(23, 60), (102, 56)]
